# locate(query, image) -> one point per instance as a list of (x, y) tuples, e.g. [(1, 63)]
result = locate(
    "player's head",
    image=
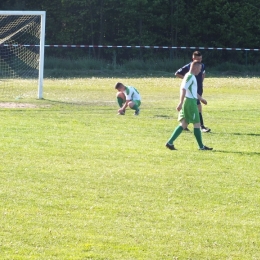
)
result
[(120, 86), (195, 67), (197, 56)]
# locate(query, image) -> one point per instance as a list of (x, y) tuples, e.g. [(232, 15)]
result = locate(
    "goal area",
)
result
[(22, 39)]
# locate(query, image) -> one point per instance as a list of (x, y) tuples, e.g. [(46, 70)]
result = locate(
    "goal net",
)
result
[(21, 53)]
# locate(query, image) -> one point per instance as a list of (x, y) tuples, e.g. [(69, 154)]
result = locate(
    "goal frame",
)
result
[(42, 43)]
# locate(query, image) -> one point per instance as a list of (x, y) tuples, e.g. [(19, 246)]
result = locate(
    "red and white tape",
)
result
[(128, 46)]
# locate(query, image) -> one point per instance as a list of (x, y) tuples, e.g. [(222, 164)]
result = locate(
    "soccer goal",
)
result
[(22, 39)]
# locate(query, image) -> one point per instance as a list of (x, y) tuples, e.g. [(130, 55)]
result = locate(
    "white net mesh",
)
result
[(19, 55)]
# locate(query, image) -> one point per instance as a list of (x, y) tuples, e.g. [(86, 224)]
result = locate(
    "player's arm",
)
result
[(124, 106), (128, 99), (203, 73), (202, 100), (182, 96), (179, 75), (203, 76)]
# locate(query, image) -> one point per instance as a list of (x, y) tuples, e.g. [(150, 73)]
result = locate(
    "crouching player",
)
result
[(127, 96)]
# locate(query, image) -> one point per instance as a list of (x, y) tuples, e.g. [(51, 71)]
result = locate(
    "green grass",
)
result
[(80, 182)]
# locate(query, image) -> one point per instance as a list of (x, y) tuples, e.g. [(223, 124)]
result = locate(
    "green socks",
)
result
[(178, 131), (120, 101), (175, 134), (198, 136)]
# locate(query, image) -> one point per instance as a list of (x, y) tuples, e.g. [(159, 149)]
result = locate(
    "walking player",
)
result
[(188, 109), (180, 73)]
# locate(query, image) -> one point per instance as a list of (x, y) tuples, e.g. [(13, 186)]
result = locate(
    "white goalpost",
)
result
[(22, 41)]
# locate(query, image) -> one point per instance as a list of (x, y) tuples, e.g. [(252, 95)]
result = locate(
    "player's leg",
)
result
[(196, 122), (195, 119), (202, 127), (184, 119), (198, 137), (135, 105), (178, 130), (120, 98), (200, 113)]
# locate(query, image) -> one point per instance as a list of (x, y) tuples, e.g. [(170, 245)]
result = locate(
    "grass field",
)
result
[(80, 182)]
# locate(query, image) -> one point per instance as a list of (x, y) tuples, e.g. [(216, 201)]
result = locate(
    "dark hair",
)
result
[(119, 85), (197, 53)]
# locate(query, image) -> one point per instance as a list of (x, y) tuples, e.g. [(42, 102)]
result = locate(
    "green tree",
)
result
[(209, 23)]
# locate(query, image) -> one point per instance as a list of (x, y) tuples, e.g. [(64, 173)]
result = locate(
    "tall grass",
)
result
[(58, 67), (85, 67)]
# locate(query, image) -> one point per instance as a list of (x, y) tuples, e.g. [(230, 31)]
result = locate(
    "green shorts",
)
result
[(189, 111), (137, 102)]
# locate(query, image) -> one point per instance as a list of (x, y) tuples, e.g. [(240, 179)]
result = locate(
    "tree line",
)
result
[(207, 23)]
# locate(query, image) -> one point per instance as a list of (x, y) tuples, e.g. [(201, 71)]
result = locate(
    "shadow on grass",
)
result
[(250, 134), (236, 152), (239, 134), (162, 117), (80, 103)]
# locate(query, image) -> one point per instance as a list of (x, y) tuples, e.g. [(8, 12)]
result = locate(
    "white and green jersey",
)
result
[(189, 83), (132, 93)]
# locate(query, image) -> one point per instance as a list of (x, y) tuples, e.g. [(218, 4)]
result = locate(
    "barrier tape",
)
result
[(128, 46)]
